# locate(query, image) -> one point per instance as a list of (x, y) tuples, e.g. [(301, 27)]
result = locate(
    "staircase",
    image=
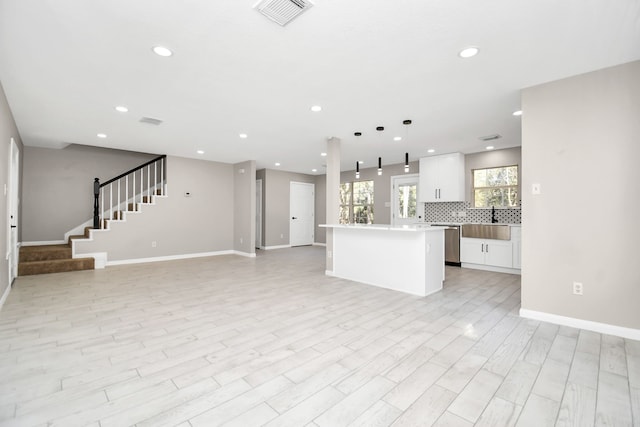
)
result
[(45, 259), (141, 183)]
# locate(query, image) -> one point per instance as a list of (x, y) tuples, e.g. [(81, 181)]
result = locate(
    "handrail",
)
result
[(137, 168), (123, 180)]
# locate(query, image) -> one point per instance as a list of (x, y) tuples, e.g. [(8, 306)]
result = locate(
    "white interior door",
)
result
[(12, 210), (301, 220), (258, 213), (404, 199)]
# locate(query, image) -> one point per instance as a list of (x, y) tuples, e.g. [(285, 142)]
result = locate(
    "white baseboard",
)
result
[(602, 328), (5, 295), (245, 254), (319, 244), (269, 248), (491, 268), (169, 257), (45, 242)]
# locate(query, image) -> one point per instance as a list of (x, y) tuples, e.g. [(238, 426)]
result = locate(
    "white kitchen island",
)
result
[(405, 258)]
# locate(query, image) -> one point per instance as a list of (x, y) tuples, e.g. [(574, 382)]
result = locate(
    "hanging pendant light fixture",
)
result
[(380, 129), (357, 134), (406, 155)]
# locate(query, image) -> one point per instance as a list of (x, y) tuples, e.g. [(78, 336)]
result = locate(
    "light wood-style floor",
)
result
[(273, 341)]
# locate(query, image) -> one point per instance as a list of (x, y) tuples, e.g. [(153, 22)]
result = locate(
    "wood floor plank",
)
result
[(273, 340)]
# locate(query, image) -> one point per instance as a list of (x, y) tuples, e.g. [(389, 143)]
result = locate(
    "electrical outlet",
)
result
[(154, 244), (535, 188), (282, 236), (577, 288), (454, 214), (462, 214), (329, 254), (241, 240)]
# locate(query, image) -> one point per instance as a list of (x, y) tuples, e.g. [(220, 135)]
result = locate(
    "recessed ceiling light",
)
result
[(200, 152), (122, 108), (162, 51), (314, 170), (431, 150), (101, 135), (243, 135), (517, 113), (489, 147), (397, 138), (323, 154), (316, 108), (277, 164), (468, 52)]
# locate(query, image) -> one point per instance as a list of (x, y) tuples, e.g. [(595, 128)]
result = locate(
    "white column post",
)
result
[(333, 194)]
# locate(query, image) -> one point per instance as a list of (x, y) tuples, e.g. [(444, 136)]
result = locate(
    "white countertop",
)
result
[(413, 227)]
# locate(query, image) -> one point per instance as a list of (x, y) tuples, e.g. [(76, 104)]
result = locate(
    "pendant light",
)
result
[(406, 155), (358, 134), (380, 129)]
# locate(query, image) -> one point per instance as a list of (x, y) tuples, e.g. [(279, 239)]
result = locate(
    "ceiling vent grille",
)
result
[(151, 121), (490, 137), (282, 11)]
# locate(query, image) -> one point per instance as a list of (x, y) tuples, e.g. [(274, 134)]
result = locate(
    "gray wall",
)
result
[(262, 174), (8, 130), (58, 186), (581, 143), (244, 207), (203, 222), (491, 159), (276, 187)]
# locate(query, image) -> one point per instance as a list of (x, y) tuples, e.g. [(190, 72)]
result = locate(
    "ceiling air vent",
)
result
[(282, 11), (150, 120), (490, 137)]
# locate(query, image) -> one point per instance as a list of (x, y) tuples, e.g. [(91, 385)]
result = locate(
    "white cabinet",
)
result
[(442, 178), (496, 253)]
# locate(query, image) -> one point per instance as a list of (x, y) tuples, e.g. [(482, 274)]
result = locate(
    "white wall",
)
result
[(581, 143)]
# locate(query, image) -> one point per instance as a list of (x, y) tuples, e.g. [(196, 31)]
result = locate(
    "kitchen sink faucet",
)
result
[(493, 215)]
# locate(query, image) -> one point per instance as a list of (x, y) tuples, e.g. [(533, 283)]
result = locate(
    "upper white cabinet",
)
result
[(442, 178)]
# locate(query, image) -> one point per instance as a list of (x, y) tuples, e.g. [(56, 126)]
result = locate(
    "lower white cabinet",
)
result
[(516, 239), (497, 253)]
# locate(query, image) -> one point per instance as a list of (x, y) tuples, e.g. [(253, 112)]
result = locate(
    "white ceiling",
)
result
[(65, 65)]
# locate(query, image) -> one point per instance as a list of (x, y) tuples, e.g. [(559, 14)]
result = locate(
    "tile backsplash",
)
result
[(462, 212)]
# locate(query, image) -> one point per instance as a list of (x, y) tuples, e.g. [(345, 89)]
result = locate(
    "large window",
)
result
[(495, 187), (356, 202)]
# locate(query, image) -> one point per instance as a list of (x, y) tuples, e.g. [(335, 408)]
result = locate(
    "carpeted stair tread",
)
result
[(55, 266), (43, 253)]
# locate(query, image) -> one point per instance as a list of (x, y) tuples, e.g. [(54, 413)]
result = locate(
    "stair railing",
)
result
[(132, 187)]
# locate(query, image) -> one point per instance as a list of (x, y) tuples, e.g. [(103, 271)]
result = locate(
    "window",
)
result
[(495, 187), (356, 202)]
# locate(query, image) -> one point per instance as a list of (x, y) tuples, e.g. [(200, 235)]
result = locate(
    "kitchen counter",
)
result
[(403, 258)]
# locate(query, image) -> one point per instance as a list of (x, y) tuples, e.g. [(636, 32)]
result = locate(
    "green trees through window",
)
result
[(356, 202), (495, 187)]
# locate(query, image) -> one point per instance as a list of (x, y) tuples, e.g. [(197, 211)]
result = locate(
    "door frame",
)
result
[(258, 244), (312, 225), (13, 202), (397, 179)]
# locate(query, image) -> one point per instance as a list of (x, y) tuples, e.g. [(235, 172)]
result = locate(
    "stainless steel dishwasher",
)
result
[(451, 244)]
